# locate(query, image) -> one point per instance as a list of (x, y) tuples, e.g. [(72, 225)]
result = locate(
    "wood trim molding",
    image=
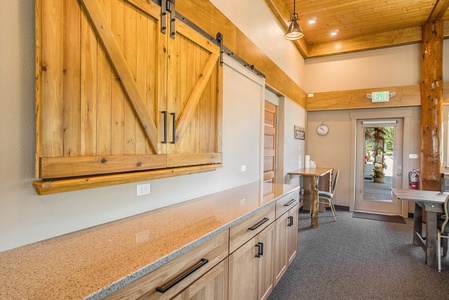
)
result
[(376, 41), (82, 183), (356, 99)]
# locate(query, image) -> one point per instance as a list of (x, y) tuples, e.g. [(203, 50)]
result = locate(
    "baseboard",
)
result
[(337, 207)]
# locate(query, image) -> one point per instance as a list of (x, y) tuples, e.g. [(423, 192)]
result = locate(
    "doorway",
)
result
[(379, 165)]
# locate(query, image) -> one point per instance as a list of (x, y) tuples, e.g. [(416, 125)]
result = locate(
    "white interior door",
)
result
[(378, 165)]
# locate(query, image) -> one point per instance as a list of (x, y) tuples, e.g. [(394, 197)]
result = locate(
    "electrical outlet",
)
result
[(143, 189), (242, 168)]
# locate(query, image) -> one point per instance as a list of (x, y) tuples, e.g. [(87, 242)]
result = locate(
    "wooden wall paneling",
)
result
[(105, 79), (143, 56), (39, 85), (130, 54), (72, 78), (89, 85), (118, 96), (52, 64), (356, 99)]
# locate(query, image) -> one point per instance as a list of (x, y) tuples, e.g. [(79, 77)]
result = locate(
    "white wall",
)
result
[(293, 149), (369, 69), (26, 217), (255, 20), (378, 68), (334, 149)]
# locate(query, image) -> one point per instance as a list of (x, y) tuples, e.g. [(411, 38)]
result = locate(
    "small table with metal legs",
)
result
[(432, 202), (314, 174)]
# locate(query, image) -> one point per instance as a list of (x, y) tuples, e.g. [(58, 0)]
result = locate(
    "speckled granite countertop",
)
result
[(95, 262)]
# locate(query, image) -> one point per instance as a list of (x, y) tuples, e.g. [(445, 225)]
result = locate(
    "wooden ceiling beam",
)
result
[(438, 10), (281, 13), (376, 41)]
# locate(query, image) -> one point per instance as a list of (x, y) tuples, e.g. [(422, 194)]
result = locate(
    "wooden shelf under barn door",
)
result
[(114, 95)]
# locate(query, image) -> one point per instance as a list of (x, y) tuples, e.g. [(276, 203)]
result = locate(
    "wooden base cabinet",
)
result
[(286, 242), (251, 267)]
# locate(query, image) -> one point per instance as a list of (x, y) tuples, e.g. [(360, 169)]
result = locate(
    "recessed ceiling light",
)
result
[(335, 32), (312, 21)]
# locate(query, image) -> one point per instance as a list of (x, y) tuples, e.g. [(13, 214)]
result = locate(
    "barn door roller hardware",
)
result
[(168, 6)]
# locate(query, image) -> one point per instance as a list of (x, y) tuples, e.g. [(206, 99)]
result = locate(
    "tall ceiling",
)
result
[(359, 24)]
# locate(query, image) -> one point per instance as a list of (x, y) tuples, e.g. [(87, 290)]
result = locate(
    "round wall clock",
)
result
[(322, 129)]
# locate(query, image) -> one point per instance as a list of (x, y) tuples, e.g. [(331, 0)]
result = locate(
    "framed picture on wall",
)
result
[(299, 132)]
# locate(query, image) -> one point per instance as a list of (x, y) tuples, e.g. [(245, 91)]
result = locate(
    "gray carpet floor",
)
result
[(355, 258)]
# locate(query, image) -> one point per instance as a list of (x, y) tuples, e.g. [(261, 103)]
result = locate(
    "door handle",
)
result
[(173, 140), (164, 141)]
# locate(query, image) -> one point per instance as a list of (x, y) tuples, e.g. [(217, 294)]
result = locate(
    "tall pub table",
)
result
[(314, 174), (433, 203)]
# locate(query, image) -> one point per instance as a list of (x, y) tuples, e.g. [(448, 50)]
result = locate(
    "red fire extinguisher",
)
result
[(413, 179)]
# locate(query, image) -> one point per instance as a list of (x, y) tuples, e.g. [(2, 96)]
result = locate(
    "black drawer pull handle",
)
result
[(254, 227), (290, 202), (259, 250), (182, 276), (290, 221)]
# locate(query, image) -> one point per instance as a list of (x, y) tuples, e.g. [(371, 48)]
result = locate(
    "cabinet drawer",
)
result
[(244, 231), (170, 279), (286, 202)]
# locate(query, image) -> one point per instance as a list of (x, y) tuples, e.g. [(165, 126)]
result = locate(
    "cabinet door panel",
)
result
[(280, 252), (265, 274), (243, 272), (292, 244)]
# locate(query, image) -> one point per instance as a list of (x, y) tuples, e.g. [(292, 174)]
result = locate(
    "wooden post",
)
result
[(431, 104)]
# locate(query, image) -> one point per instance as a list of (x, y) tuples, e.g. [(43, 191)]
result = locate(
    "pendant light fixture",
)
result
[(294, 31)]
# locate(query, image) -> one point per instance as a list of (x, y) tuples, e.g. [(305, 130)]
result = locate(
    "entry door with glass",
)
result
[(379, 166)]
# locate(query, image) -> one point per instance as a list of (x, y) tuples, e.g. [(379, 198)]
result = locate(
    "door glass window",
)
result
[(378, 167)]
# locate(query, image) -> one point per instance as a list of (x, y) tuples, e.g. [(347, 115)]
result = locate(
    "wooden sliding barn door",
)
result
[(100, 88), (270, 128), (115, 95), (193, 99)]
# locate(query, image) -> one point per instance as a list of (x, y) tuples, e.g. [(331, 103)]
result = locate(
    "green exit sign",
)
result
[(380, 96)]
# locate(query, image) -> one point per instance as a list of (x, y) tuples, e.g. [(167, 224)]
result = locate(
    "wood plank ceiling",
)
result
[(359, 24)]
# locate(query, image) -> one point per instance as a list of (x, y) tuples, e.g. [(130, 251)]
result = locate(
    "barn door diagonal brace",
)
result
[(168, 6)]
